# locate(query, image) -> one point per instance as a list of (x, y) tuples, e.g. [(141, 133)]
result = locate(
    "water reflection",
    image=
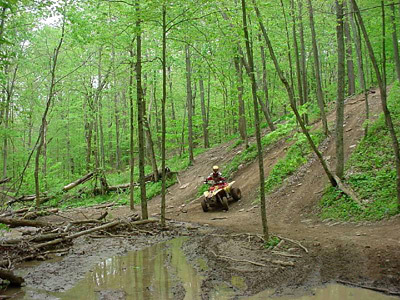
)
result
[(139, 275), (330, 292)]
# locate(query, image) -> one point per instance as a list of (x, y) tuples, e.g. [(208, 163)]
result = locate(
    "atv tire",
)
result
[(236, 194), (224, 202), (204, 205)]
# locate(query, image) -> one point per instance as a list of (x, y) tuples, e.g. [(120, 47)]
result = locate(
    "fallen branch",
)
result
[(26, 198), (239, 260), (21, 222), (14, 280), (369, 287), (79, 222), (5, 180), (294, 242), (103, 215), (285, 254), (279, 262), (76, 235), (78, 182)]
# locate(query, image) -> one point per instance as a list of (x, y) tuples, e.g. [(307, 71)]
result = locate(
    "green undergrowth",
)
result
[(371, 172), (296, 156), (248, 155), (3, 228), (176, 164)]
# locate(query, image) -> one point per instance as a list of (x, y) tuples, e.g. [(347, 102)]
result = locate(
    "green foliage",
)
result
[(250, 153), (272, 242), (296, 156), (3, 227), (371, 172), (203, 188)]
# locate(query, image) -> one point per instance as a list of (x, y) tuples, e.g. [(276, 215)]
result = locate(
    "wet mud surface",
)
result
[(191, 261)]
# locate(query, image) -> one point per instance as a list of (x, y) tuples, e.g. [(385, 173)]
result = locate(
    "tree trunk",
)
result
[(256, 123), (44, 116), (349, 57), (189, 103), (296, 54), (340, 89), (163, 118), (131, 131), (383, 45), (395, 42), (204, 114), (242, 113), (386, 112), (320, 95), (288, 45), (303, 59), (360, 65), (265, 107), (140, 104)]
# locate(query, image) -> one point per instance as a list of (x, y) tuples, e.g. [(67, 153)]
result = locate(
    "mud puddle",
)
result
[(330, 292)]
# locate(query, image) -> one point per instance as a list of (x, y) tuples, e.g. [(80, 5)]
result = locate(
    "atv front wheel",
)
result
[(225, 205), (204, 205), (236, 194)]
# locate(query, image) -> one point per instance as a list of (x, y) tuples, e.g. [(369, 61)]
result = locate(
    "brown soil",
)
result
[(363, 253)]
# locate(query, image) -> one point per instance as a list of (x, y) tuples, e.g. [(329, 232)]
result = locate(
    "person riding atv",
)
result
[(219, 192), (215, 176)]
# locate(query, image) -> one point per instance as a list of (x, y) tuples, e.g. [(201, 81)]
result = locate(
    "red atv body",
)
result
[(219, 195)]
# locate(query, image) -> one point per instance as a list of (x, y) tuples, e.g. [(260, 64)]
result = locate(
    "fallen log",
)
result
[(76, 235), (21, 222), (78, 182), (14, 280), (26, 198), (5, 180)]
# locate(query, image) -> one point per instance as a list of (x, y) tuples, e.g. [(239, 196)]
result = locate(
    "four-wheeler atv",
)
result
[(219, 195)]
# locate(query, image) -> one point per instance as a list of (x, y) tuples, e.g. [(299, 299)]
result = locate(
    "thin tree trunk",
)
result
[(395, 42), (296, 55), (140, 104), (360, 66), (189, 103), (340, 89), (204, 114), (163, 118), (382, 88), (242, 112), (131, 131), (44, 116), (303, 59), (265, 107), (320, 95), (349, 57), (256, 123), (288, 45), (383, 44), (10, 93)]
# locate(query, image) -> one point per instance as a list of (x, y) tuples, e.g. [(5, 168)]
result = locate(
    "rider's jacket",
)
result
[(216, 177)]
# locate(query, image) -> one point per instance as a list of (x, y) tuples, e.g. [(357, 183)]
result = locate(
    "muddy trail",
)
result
[(220, 255)]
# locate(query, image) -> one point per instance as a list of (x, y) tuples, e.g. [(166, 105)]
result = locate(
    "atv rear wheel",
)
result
[(204, 205), (224, 202), (236, 194)]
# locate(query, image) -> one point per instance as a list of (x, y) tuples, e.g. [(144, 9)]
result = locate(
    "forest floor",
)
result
[(313, 252)]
